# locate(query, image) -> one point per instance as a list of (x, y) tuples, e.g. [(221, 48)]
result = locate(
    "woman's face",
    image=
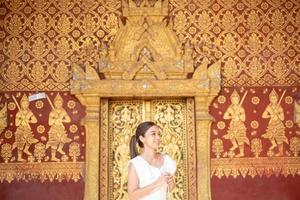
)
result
[(151, 138)]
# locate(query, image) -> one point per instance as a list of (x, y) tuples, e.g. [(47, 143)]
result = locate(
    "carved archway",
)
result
[(125, 67)]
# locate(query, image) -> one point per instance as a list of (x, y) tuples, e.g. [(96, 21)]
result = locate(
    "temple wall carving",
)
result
[(255, 130)]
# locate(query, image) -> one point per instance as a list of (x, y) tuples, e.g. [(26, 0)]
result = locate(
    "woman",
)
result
[(150, 174)]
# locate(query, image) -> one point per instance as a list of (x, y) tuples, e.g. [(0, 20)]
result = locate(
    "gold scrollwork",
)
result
[(125, 117), (171, 118), (177, 140)]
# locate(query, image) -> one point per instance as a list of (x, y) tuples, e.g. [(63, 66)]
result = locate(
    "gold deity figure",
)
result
[(3, 118), (237, 130), (23, 135), (297, 112), (121, 157), (171, 147), (275, 130), (57, 133)]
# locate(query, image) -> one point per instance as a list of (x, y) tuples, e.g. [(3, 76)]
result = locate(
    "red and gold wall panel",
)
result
[(258, 40)]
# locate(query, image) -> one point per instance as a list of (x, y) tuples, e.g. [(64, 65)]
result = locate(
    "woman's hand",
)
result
[(162, 180), (170, 182), (166, 179)]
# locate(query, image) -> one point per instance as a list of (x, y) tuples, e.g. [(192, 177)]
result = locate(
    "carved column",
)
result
[(203, 122), (91, 123)]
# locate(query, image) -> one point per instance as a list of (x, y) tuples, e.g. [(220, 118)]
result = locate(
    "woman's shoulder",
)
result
[(169, 163), (166, 156), (136, 161), (168, 159)]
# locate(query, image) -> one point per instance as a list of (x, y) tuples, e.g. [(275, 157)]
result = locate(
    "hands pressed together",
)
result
[(166, 178)]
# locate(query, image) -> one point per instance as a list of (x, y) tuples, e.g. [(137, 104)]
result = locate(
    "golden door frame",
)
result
[(203, 87), (171, 115)]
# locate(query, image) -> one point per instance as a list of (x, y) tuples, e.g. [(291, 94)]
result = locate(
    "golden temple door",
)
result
[(121, 117), (145, 59)]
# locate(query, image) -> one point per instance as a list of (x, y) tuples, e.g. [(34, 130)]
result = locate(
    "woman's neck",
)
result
[(148, 154)]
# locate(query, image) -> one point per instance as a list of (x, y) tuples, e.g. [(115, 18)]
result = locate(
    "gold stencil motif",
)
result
[(57, 133), (41, 171), (254, 167), (236, 131), (25, 142), (217, 147), (261, 38), (24, 137), (256, 147), (273, 136), (276, 130)]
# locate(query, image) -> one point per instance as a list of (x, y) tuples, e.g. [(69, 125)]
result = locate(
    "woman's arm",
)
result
[(134, 191)]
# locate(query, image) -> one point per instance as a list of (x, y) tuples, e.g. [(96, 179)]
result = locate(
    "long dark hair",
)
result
[(135, 139)]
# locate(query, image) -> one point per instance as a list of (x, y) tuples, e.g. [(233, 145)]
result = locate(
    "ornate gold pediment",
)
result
[(145, 47), (145, 58)]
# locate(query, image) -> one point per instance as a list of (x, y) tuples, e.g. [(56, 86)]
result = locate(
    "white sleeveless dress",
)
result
[(147, 174)]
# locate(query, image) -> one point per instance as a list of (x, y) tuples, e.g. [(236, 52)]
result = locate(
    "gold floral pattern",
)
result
[(40, 129), (238, 32), (8, 134), (71, 104), (39, 104), (74, 151), (6, 152), (73, 128), (39, 151)]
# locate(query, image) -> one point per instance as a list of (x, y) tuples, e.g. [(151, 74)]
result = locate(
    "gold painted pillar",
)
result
[(91, 122), (203, 122)]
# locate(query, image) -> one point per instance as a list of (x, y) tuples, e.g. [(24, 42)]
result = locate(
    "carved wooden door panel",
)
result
[(119, 119)]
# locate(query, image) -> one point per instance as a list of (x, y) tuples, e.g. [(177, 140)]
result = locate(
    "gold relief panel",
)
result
[(171, 117), (176, 120), (124, 117)]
